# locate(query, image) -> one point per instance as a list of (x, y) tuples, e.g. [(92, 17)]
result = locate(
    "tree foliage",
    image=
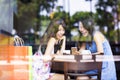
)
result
[(81, 16), (28, 15), (105, 16)]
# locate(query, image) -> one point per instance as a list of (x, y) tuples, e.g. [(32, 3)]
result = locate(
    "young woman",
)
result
[(56, 45), (99, 45)]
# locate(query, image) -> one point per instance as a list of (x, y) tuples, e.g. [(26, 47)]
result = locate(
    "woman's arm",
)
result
[(83, 46), (98, 37), (63, 44), (48, 52), (50, 46)]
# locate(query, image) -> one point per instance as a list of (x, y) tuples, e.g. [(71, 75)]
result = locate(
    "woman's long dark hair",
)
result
[(53, 28), (87, 26)]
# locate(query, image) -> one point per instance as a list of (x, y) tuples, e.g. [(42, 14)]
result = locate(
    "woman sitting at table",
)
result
[(99, 45), (56, 44)]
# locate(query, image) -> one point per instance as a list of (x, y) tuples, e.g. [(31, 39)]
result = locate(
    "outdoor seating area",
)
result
[(77, 66), (60, 40)]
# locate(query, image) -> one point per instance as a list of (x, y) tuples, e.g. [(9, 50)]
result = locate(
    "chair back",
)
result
[(83, 64)]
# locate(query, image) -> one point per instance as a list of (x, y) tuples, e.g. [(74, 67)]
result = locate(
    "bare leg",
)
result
[(57, 77), (82, 78)]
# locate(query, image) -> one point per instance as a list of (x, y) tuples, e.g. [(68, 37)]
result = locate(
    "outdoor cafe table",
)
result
[(60, 61)]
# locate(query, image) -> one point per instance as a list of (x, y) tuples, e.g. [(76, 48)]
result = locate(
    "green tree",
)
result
[(81, 16), (105, 17), (28, 15)]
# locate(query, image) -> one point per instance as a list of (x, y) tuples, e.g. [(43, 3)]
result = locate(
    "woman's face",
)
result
[(60, 32), (83, 30)]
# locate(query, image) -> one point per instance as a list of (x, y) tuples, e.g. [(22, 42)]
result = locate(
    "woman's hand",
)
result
[(63, 37), (63, 40), (47, 58)]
